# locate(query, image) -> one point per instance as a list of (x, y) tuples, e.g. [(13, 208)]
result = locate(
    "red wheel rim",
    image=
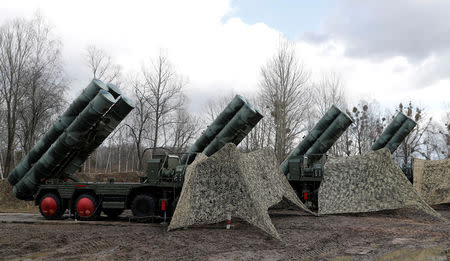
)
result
[(85, 207), (49, 206)]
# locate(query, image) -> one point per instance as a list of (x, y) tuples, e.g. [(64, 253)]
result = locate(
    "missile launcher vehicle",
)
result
[(45, 174), (304, 165), (393, 135)]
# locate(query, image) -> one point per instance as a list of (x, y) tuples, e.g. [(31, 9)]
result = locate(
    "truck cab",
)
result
[(305, 176), (164, 168)]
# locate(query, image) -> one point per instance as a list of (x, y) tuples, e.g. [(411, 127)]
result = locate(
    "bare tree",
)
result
[(44, 87), (3, 133), (139, 122), (329, 90), (102, 65), (165, 87), (214, 106), (434, 144), (16, 40), (284, 90), (158, 115), (31, 81), (367, 126), (446, 133), (262, 135), (344, 143), (185, 129), (413, 143)]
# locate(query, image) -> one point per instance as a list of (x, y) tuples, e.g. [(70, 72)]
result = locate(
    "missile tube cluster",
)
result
[(395, 133), (231, 125), (320, 139), (72, 138)]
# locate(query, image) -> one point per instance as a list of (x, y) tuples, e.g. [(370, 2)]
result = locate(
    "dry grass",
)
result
[(9, 203)]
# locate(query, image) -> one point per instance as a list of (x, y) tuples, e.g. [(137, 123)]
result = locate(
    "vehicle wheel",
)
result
[(51, 207), (143, 205), (112, 212), (86, 207)]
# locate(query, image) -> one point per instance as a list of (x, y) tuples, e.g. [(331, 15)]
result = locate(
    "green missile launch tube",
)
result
[(248, 127), (63, 146), (329, 137), (401, 134), (56, 130), (218, 124), (238, 127), (114, 90), (390, 131), (312, 136), (109, 122)]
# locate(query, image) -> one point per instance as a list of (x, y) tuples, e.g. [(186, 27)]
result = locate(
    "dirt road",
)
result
[(388, 235)]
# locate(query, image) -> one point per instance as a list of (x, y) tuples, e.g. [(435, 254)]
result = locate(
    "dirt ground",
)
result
[(387, 235)]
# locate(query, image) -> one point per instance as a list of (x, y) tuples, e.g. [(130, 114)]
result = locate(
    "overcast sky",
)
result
[(391, 51)]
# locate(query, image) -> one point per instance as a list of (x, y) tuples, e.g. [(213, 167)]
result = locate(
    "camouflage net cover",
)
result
[(244, 185), (432, 180), (365, 183)]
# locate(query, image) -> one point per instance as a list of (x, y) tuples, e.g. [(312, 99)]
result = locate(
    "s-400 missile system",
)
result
[(304, 166), (45, 174)]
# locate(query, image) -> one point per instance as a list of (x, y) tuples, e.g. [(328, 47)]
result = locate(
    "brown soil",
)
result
[(387, 235)]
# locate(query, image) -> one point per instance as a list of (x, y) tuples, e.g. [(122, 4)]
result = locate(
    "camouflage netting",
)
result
[(244, 185), (432, 180), (365, 183)]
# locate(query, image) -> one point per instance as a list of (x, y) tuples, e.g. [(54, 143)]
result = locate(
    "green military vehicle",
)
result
[(304, 166), (154, 195), (393, 135), (45, 174)]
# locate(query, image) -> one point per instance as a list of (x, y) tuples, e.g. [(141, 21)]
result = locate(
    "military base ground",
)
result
[(309, 207)]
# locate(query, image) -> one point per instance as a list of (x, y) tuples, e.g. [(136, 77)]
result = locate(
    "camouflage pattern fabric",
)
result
[(432, 180), (365, 183), (244, 185)]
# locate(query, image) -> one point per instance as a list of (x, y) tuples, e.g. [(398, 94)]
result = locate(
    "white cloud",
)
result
[(384, 28), (215, 55), (390, 81), (219, 56)]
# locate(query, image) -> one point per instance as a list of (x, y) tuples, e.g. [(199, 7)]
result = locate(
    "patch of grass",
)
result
[(10, 204)]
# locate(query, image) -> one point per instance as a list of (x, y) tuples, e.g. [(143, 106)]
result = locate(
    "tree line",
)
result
[(293, 102), (33, 91)]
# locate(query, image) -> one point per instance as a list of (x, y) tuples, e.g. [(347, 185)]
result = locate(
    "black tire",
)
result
[(92, 212), (143, 205), (113, 212), (51, 212)]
